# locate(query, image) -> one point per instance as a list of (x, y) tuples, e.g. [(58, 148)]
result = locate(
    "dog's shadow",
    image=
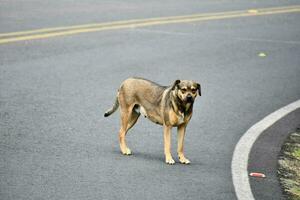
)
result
[(141, 155), (150, 157)]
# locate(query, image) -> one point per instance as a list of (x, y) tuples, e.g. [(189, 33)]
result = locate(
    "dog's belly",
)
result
[(151, 115)]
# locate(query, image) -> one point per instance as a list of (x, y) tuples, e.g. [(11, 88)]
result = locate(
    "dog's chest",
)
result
[(180, 118), (176, 119)]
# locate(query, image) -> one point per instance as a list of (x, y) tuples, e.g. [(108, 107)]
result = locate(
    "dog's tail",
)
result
[(113, 108)]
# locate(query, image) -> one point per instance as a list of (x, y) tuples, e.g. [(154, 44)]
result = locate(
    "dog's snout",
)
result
[(189, 97)]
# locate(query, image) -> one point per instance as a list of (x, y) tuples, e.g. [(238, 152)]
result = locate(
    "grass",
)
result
[(289, 167), (296, 153)]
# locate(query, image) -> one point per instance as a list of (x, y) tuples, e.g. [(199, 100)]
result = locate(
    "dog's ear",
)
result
[(175, 84), (199, 89)]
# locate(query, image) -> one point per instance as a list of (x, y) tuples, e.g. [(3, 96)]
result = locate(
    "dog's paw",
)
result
[(170, 161), (126, 152), (183, 160)]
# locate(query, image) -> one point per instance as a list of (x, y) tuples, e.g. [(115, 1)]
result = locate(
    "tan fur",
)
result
[(168, 106)]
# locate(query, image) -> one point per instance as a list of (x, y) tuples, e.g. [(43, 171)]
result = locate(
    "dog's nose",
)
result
[(189, 97)]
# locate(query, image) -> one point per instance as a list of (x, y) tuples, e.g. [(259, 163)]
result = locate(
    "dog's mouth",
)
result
[(189, 100)]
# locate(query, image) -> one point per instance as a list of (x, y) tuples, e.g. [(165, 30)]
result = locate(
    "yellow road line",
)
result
[(71, 30), (95, 25), (134, 21)]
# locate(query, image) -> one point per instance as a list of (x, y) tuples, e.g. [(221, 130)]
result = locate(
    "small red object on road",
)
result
[(256, 174)]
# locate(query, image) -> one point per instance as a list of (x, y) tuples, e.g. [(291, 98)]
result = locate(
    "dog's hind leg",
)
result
[(132, 119), (123, 130), (128, 119)]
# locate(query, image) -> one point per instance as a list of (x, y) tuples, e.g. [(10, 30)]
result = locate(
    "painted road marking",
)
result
[(239, 163), (71, 30), (95, 25)]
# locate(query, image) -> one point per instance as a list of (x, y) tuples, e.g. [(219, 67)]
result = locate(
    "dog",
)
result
[(169, 106)]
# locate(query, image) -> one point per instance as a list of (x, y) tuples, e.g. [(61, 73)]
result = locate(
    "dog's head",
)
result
[(186, 90)]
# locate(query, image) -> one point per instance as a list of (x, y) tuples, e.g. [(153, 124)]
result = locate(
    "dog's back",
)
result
[(141, 91), (138, 91)]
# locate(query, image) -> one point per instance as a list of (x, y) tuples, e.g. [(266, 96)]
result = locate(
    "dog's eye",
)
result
[(194, 91), (183, 90)]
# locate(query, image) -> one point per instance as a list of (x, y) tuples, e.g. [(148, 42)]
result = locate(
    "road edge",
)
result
[(239, 163)]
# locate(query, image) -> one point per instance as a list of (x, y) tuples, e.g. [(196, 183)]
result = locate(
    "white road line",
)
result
[(239, 163)]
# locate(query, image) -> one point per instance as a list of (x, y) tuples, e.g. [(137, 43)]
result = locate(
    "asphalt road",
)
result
[(55, 142)]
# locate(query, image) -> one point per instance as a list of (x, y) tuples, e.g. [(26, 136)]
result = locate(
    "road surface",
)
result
[(55, 142)]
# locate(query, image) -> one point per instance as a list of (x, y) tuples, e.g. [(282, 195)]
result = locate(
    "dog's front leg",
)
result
[(167, 144), (180, 138)]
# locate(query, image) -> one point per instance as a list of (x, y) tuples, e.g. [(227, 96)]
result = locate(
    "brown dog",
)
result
[(168, 106)]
